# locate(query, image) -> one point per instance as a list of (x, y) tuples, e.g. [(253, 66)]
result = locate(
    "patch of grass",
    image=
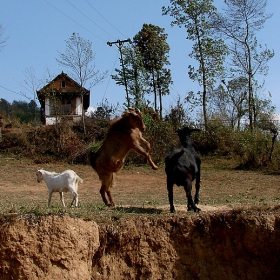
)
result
[(95, 146)]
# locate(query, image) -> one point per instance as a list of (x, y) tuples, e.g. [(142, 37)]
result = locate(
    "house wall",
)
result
[(77, 110), (51, 120), (47, 106), (79, 106)]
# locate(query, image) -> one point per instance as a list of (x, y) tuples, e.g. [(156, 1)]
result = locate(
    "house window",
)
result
[(63, 84)]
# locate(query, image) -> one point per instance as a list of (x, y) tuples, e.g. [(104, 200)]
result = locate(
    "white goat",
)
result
[(66, 181)]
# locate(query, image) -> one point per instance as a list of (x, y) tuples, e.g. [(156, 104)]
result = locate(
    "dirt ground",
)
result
[(221, 187), (235, 236)]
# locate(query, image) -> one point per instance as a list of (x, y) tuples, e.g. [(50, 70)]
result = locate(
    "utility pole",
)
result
[(119, 44)]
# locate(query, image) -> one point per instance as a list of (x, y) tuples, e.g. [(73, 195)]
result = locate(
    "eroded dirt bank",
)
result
[(217, 245)]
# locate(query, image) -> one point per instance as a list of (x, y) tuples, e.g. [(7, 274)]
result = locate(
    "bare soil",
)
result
[(235, 236)]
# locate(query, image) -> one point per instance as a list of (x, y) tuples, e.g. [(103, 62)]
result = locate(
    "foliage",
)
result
[(19, 111), (69, 144), (251, 150), (104, 111), (152, 45), (210, 52), (135, 74), (177, 115)]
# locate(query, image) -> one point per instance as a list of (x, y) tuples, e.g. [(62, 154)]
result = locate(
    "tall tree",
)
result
[(79, 58), (135, 74), (209, 52), (239, 23), (151, 41)]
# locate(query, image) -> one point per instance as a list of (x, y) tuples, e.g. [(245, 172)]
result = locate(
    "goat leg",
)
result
[(75, 198), (191, 205), (50, 198), (154, 167), (196, 197), (62, 198), (197, 187), (110, 198), (140, 150), (146, 144), (170, 195), (102, 192)]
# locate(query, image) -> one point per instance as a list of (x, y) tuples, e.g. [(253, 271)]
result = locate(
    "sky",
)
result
[(36, 32)]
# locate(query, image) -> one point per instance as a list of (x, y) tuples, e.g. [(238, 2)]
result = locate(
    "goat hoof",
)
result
[(155, 167)]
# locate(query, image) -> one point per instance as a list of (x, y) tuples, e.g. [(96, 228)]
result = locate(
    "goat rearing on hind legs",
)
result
[(124, 135)]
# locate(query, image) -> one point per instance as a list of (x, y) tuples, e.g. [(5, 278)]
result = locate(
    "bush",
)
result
[(69, 143)]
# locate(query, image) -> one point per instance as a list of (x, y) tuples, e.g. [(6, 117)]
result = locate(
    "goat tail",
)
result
[(79, 180)]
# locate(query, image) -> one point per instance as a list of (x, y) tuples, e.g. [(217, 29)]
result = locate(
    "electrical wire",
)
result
[(110, 78), (89, 18), (105, 19), (16, 92), (75, 21)]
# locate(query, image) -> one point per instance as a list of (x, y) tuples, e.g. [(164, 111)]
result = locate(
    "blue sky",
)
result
[(37, 30)]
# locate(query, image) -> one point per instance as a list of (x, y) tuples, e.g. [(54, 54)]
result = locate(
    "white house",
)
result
[(62, 97)]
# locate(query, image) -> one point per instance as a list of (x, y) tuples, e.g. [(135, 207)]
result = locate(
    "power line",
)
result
[(74, 21), (16, 92), (106, 19), (89, 18), (110, 77)]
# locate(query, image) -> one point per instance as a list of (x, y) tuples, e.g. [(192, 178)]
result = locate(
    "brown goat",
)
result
[(124, 135)]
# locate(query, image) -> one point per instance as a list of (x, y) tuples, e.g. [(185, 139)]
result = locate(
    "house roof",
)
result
[(54, 86)]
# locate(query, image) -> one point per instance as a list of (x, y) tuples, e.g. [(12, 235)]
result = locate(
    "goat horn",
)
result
[(137, 110)]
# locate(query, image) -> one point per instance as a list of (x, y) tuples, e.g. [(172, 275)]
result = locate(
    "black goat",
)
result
[(182, 166)]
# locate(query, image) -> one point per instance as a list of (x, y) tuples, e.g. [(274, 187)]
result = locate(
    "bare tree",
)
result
[(79, 58), (239, 23), (2, 39), (30, 85)]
